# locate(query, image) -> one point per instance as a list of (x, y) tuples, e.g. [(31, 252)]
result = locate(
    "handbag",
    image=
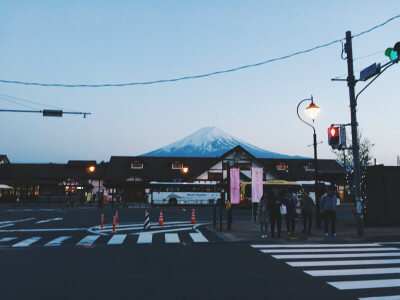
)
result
[(283, 209)]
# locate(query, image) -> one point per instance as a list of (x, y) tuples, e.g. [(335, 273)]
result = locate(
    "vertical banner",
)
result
[(256, 184), (235, 185)]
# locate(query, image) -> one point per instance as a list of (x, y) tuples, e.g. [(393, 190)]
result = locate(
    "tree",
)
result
[(345, 158)]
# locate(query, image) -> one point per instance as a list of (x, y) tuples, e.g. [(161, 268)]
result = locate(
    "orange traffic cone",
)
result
[(102, 222), (116, 218), (193, 221), (161, 219), (114, 231)]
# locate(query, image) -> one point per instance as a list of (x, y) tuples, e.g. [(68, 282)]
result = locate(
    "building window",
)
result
[(282, 167), (137, 165), (177, 165), (309, 167), (245, 166), (215, 176)]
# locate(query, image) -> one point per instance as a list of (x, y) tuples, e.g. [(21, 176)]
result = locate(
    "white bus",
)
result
[(183, 193)]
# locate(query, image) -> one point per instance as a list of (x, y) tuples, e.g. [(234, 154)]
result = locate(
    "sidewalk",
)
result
[(345, 229)]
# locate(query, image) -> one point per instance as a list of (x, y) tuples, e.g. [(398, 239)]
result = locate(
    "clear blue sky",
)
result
[(93, 42)]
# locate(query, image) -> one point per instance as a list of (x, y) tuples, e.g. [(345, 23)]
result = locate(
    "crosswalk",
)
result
[(371, 270), (93, 239)]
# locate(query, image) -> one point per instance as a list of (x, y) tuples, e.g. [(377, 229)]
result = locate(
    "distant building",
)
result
[(128, 177)]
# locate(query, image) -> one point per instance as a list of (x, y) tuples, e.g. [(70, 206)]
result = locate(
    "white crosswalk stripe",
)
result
[(171, 238), (345, 264), (58, 241), (27, 242), (116, 239), (88, 240), (198, 238)]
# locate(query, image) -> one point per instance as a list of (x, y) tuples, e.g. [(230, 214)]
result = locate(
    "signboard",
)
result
[(235, 185), (256, 184)]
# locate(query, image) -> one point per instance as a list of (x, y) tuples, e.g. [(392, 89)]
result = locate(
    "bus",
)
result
[(183, 193), (281, 185)]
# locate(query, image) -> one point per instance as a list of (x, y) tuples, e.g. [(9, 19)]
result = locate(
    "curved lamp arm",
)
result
[(311, 99)]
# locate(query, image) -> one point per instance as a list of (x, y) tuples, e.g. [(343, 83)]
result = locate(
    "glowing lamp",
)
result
[(90, 169), (312, 111)]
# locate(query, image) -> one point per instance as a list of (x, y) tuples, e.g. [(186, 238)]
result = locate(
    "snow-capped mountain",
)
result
[(210, 142)]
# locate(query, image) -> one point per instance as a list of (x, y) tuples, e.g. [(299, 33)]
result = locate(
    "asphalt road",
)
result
[(187, 269)]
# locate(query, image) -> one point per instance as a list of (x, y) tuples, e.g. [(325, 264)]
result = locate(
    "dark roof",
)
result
[(81, 163), (4, 158), (327, 168), (40, 173), (156, 168)]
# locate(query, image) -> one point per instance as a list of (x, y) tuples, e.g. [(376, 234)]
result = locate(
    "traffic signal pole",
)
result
[(351, 82)]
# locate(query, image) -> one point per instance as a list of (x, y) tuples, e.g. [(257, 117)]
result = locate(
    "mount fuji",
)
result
[(210, 142)]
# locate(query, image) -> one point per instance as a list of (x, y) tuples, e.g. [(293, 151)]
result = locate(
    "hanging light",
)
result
[(312, 111)]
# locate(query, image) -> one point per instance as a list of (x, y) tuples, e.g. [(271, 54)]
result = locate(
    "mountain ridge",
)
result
[(211, 142)]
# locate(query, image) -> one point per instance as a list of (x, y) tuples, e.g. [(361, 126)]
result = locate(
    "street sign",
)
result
[(370, 71)]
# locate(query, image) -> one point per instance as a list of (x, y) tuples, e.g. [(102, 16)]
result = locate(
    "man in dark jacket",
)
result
[(274, 213), (290, 212), (307, 209), (328, 205)]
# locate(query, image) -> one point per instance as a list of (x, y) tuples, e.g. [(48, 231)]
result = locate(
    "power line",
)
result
[(196, 76), (8, 98)]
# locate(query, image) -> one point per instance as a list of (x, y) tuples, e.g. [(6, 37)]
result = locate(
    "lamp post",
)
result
[(312, 111), (90, 170)]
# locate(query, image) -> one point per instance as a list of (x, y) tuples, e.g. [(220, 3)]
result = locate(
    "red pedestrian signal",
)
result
[(334, 136)]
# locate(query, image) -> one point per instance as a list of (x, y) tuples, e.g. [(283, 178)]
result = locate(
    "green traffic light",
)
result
[(393, 55)]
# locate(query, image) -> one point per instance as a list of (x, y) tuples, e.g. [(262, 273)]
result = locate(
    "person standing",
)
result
[(307, 206), (275, 216), (290, 212), (262, 216), (328, 205)]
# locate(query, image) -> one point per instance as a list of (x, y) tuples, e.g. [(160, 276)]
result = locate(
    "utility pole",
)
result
[(351, 82)]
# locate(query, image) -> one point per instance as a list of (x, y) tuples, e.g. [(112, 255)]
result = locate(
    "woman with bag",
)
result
[(275, 216), (262, 216)]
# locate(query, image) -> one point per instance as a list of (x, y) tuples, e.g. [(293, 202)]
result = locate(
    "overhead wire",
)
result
[(198, 76), (34, 102)]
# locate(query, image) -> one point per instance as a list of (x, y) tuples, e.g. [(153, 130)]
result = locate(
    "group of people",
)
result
[(272, 208)]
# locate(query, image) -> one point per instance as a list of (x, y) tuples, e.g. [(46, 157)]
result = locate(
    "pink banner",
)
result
[(256, 184), (235, 186)]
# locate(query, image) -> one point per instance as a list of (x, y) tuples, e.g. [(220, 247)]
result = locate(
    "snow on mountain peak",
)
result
[(209, 142)]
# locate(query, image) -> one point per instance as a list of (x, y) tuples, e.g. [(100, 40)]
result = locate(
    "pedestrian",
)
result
[(275, 216), (290, 212), (307, 206), (262, 216), (328, 205)]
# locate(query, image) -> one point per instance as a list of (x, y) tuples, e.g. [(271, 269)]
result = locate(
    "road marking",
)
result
[(394, 297), (345, 255), (117, 239), (171, 238), (198, 237), (88, 240), (343, 263), (365, 284), (44, 229), (349, 272), (58, 241), (49, 220), (27, 242), (315, 245), (328, 250), (7, 239), (145, 238), (16, 221), (6, 225)]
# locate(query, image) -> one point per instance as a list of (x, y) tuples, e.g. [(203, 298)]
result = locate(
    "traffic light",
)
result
[(393, 53), (333, 136), (337, 137), (52, 113)]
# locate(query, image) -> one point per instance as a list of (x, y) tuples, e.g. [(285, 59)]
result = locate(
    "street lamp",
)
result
[(312, 111)]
